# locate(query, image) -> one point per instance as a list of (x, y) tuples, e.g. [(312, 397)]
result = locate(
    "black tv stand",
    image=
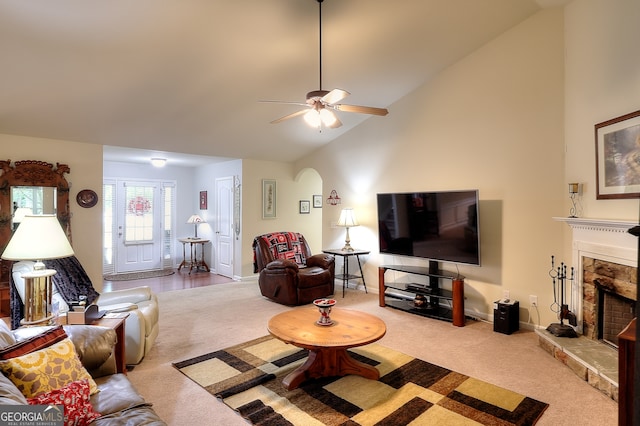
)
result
[(403, 295)]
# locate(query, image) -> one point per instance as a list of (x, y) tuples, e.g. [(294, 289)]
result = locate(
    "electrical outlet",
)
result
[(533, 300), (505, 294)]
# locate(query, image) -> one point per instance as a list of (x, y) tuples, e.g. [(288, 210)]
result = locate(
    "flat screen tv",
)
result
[(439, 225)]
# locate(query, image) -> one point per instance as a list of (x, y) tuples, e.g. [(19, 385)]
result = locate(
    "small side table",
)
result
[(193, 261), (116, 321), (346, 276)]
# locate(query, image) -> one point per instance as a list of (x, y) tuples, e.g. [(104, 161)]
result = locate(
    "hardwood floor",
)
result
[(178, 281)]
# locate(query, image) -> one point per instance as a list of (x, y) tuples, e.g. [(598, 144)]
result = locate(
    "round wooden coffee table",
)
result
[(327, 345)]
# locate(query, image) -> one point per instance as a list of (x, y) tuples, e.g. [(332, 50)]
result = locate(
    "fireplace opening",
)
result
[(615, 312)]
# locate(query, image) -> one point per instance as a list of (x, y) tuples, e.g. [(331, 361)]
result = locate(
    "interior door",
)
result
[(224, 226), (139, 226)]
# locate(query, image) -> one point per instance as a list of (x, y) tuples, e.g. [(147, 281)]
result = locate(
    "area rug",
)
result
[(139, 275), (247, 378)]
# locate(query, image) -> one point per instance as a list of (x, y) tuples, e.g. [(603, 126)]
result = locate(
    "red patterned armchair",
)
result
[(289, 274)]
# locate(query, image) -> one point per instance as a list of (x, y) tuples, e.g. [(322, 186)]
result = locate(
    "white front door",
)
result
[(224, 227), (139, 226)]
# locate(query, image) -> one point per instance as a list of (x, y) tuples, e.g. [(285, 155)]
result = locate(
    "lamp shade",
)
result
[(195, 219), (347, 218), (38, 238)]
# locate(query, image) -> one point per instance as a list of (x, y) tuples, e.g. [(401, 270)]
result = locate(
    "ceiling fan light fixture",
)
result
[(313, 119), (328, 117)]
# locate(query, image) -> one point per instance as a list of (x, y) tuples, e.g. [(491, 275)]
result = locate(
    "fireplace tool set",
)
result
[(560, 279)]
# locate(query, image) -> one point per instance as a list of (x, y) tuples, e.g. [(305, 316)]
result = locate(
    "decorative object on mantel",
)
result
[(574, 192), (333, 198), (87, 198), (560, 278), (618, 157)]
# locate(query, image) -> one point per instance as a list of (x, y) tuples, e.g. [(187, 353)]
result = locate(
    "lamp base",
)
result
[(50, 320), (561, 330), (347, 247)]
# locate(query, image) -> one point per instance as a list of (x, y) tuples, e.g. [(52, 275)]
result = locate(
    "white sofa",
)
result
[(141, 326)]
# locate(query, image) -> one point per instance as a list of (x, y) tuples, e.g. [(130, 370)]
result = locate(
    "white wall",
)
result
[(602, 82), (205, 180), (493, 121)]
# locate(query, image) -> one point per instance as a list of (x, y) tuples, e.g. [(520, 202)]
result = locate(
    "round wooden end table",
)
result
[(327, 345)]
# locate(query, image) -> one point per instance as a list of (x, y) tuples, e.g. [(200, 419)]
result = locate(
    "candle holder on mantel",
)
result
[(560, 278), (324, 306)]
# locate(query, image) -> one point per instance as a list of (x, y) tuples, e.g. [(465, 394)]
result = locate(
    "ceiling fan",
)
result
[(321, 104)]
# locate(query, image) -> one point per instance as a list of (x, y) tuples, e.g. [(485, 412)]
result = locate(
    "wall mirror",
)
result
[(34, 185)]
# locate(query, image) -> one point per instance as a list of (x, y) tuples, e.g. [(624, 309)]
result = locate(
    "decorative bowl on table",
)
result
[(324, 306)]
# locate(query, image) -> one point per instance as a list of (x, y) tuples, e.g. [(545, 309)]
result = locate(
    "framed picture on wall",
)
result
[(305, 206), (269, 199), (618, 157), (317, 201), (203, 200)]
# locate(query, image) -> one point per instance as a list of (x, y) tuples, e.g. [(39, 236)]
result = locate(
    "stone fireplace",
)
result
[(609, 299), (603, 297), (603, 253)]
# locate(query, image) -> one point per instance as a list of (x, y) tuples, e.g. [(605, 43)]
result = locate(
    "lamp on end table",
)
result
[(38, 238), (347, 220), (195, 220)]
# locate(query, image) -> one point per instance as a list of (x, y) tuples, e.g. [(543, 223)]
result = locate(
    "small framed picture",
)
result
[(317, 201), (305, 206), (203, 200)]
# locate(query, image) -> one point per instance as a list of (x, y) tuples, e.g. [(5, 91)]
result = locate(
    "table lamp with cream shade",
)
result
[(195, 220), (38, 238), (348, 220)]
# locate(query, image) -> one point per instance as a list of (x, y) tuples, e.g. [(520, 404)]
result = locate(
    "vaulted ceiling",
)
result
[(186, 75)]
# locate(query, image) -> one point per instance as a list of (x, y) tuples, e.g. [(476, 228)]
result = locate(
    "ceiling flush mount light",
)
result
[(321, 104), (158, 162)]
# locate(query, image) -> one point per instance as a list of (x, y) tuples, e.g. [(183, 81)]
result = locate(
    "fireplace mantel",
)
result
[(598, 224)]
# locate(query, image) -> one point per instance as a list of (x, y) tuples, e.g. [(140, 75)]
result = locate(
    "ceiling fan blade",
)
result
[(334, 96), (286, 117), (284, 102), (362, 109)]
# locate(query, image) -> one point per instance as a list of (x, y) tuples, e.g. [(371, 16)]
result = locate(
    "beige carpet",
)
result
[(202, 320), (248, 378)]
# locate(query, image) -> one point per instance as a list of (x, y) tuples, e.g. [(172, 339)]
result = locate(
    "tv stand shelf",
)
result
[(402, 295)]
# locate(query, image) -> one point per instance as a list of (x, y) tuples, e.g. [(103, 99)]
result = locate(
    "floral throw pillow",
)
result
[(47, 369), (75, 398)]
